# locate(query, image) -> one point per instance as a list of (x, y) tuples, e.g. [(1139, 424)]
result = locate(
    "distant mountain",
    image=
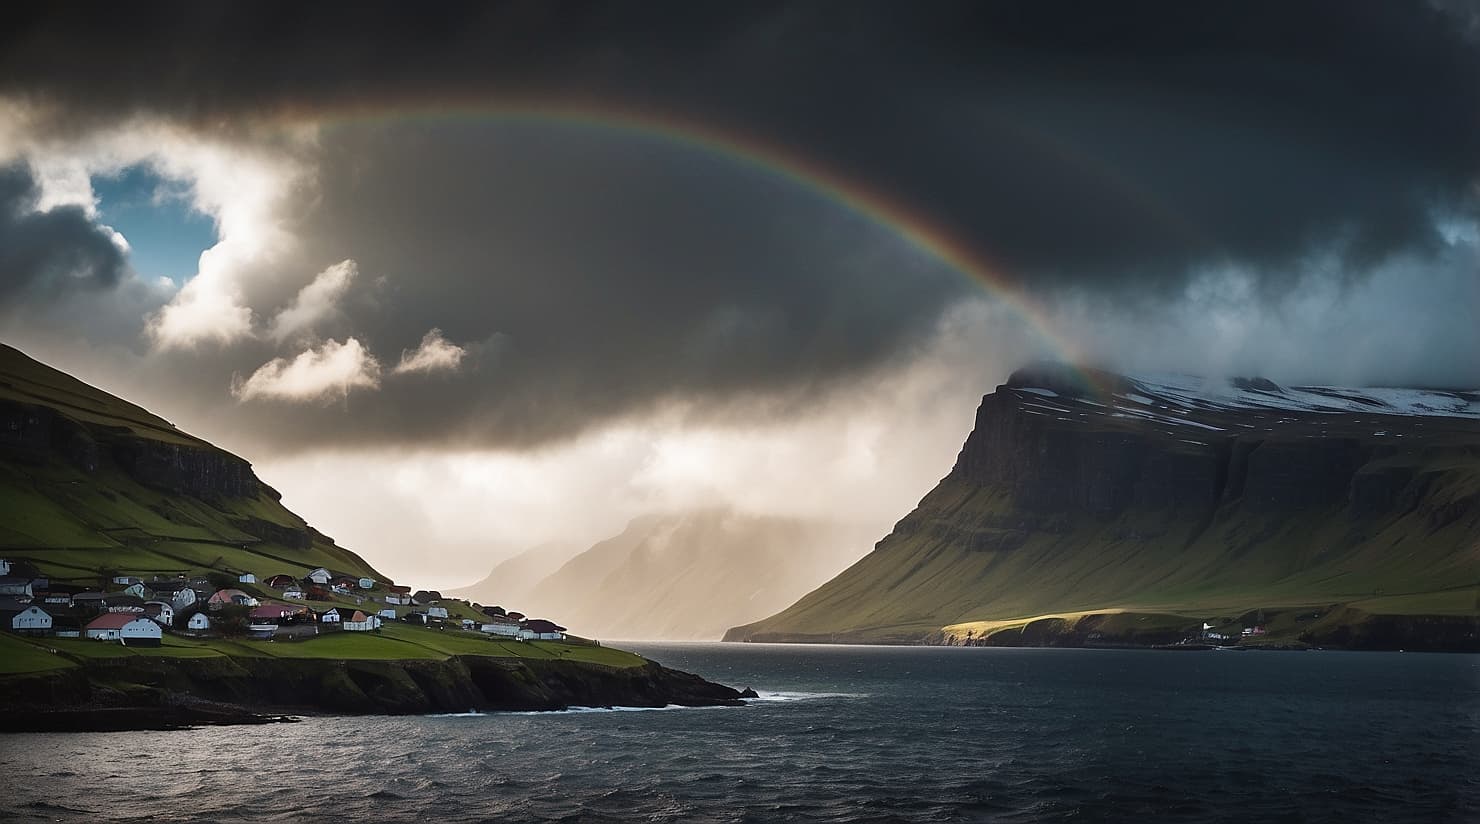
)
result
[(91, 484), (690, 575), (512, 580), (1087, 505)]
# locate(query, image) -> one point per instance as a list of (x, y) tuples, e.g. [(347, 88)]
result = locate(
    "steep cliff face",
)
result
[(90, 482), (1080, 491)]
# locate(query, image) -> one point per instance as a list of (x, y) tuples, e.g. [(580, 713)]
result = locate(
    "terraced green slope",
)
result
[(1064, 504), (91, 485)]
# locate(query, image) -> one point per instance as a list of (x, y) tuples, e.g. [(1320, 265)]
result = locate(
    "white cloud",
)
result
[(244, 187), (205, 309), (315, 301), (435, 354), (331, 370)]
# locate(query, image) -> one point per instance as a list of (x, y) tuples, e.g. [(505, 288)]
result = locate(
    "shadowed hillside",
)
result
[(1079, 496), (90, 484), (688, 575)]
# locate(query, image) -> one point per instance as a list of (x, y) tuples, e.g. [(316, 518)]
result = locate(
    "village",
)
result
[(280, 607)]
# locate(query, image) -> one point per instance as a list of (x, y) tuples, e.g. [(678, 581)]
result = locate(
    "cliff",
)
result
[(1085, 493), (91, 484), (159, 692)]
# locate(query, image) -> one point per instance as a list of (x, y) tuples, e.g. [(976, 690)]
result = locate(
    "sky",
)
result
[(472, 277)]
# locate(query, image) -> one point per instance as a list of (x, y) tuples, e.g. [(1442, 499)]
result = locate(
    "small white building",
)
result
[(127, 580), (501, 629), (436, 612), (469, 623), (129, 629), (246, 578), (367, 583), (4, 567), (184, 599), (330, 616), (386, 614), (319, 576), (137, 590), (32, 620), (199, 622), (15, 585), (360, 622), (295, 593), (161, 611)]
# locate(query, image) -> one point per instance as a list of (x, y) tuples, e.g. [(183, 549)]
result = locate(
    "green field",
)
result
[(393, 643), (21, 655)]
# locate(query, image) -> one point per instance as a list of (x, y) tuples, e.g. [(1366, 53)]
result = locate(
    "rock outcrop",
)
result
[(1079, 490)]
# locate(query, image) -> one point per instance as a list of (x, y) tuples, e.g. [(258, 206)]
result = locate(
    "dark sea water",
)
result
[(842, 734)]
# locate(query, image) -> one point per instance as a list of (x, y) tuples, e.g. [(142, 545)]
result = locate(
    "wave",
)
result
[(778, 697)]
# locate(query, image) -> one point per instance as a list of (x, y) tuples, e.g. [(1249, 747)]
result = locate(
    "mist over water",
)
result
[(840, 734)]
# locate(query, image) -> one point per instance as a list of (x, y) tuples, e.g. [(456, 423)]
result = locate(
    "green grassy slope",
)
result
[(79, 519), (941, 574)]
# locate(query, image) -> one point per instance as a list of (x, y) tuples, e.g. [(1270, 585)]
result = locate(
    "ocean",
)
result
[(840, 734)]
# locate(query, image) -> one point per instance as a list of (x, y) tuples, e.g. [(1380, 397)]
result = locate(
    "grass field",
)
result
[(20, 655), (395, 642)]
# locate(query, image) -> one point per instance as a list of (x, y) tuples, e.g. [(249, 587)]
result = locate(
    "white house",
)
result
[(294, 592), (185, 598), (128, 628), (57, 599), (136, 590), (32, 620), (15, 585), (330, 616), (127, 580), (360, 622), (387, 614), (319, 576), (397, 598), (161, 611), (199, 622), (501, 629), (367, 583), (469, 623), (246, 578), (538, 629), (436, 612), (228, 597)]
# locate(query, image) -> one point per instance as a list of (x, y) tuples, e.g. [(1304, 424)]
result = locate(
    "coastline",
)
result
[(156, 693)]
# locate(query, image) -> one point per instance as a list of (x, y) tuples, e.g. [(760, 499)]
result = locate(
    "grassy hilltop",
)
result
[(92, 486)]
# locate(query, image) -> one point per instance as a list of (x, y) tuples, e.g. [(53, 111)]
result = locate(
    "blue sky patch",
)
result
[(165, 232)]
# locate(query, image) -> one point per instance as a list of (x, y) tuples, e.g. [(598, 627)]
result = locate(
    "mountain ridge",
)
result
[(1086, 492)]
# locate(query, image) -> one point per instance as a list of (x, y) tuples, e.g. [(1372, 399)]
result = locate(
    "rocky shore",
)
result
[(148, 693)]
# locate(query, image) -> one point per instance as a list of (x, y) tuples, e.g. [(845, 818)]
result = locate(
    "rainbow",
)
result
[(755, 154)]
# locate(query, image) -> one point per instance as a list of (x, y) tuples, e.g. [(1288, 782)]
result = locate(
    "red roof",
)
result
[(358, 618), (114, 620), (272, 611)]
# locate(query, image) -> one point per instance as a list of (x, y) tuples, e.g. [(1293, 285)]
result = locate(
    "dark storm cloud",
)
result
[(593, 276), (1075, 143), (45, 255), (1109, 149)]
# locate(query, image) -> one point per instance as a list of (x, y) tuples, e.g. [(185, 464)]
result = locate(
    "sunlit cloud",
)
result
[(328, 371), (434, 354), (315, 301)]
